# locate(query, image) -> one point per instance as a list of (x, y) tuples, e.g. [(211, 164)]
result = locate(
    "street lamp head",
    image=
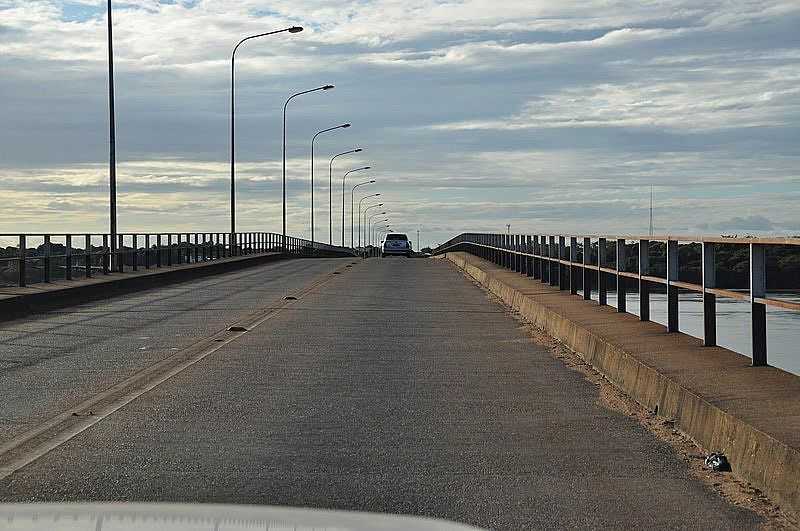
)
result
[(372, 181), (357, 150), (327, 87), (344, 126), (367, 168), (295, 29)]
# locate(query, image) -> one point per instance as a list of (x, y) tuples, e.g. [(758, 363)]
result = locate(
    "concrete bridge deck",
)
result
[(388, 385)]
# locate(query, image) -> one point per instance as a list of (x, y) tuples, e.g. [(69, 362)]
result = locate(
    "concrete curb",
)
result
[(770, 464), (43, 297)]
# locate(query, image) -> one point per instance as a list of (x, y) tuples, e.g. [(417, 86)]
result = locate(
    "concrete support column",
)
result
[(672, 291), (758, 311)]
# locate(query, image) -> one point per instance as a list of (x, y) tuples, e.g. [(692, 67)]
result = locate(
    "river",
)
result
[(733, 324)]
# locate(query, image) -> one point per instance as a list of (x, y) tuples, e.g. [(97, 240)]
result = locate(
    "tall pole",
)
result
[(330, 189), (344, 178), (359, 214), (374, 229), (112, 145), (285, 105), (369, 221), (293, 29), (343, 126), (418, 240), (352, 207)]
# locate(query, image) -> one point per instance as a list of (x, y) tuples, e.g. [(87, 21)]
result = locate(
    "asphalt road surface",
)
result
[(393, 386)]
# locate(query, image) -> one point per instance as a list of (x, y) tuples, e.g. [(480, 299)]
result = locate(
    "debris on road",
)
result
[(718, 462)]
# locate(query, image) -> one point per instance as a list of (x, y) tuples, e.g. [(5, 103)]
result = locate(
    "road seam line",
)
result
[(78, 423)]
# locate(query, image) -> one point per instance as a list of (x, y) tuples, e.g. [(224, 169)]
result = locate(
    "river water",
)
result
[(733, 324)]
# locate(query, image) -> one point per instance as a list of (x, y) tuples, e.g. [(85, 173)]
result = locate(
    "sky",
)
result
[(552, 116)]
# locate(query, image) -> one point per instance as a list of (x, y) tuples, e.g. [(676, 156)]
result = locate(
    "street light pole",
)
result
[(359, 214), (330, 191), (368, 234), (342, 126), (325, 87), (112, 158), (377, 230), (293, 29), (352, 206), (344, 178)]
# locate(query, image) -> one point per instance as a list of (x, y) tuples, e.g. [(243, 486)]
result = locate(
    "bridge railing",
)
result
[(728, 267), (31, 258)]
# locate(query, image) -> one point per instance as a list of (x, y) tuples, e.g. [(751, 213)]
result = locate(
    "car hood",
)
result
[(201, 517)]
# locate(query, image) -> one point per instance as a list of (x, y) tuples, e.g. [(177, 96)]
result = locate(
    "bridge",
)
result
[(492, 384)]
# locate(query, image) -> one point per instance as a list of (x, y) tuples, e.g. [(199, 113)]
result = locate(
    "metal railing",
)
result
[(650, 263), (31, 258)]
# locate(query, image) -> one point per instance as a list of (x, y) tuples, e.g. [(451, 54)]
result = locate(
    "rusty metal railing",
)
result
[(31, 258), (568, 260)]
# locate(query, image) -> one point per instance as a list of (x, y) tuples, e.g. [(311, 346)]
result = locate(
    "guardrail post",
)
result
[(515, 256), (120, 258), (562, 254), (709, 299), (159, 250), (495, 252), (644, 285), (87, 255), (672, 291), (554, 264), (169, 250), (147, 251), (573, 269), (529, 259), (758, 310), (106, 256), (536, 261), (544, 263), (621, 280), (135, 252), (23, 251), (68, 257), (587, 277), (602, 289), (46, 258)]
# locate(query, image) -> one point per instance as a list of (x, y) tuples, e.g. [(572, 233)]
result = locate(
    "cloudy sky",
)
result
[(551, 115)]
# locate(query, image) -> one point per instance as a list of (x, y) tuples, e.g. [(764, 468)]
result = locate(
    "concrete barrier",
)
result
[(752, 414), (37, 298)]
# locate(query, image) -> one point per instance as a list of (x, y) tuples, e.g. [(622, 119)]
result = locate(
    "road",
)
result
[(392, 386)]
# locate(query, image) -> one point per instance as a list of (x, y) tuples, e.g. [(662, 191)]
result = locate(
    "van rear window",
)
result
[(396, 237)]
